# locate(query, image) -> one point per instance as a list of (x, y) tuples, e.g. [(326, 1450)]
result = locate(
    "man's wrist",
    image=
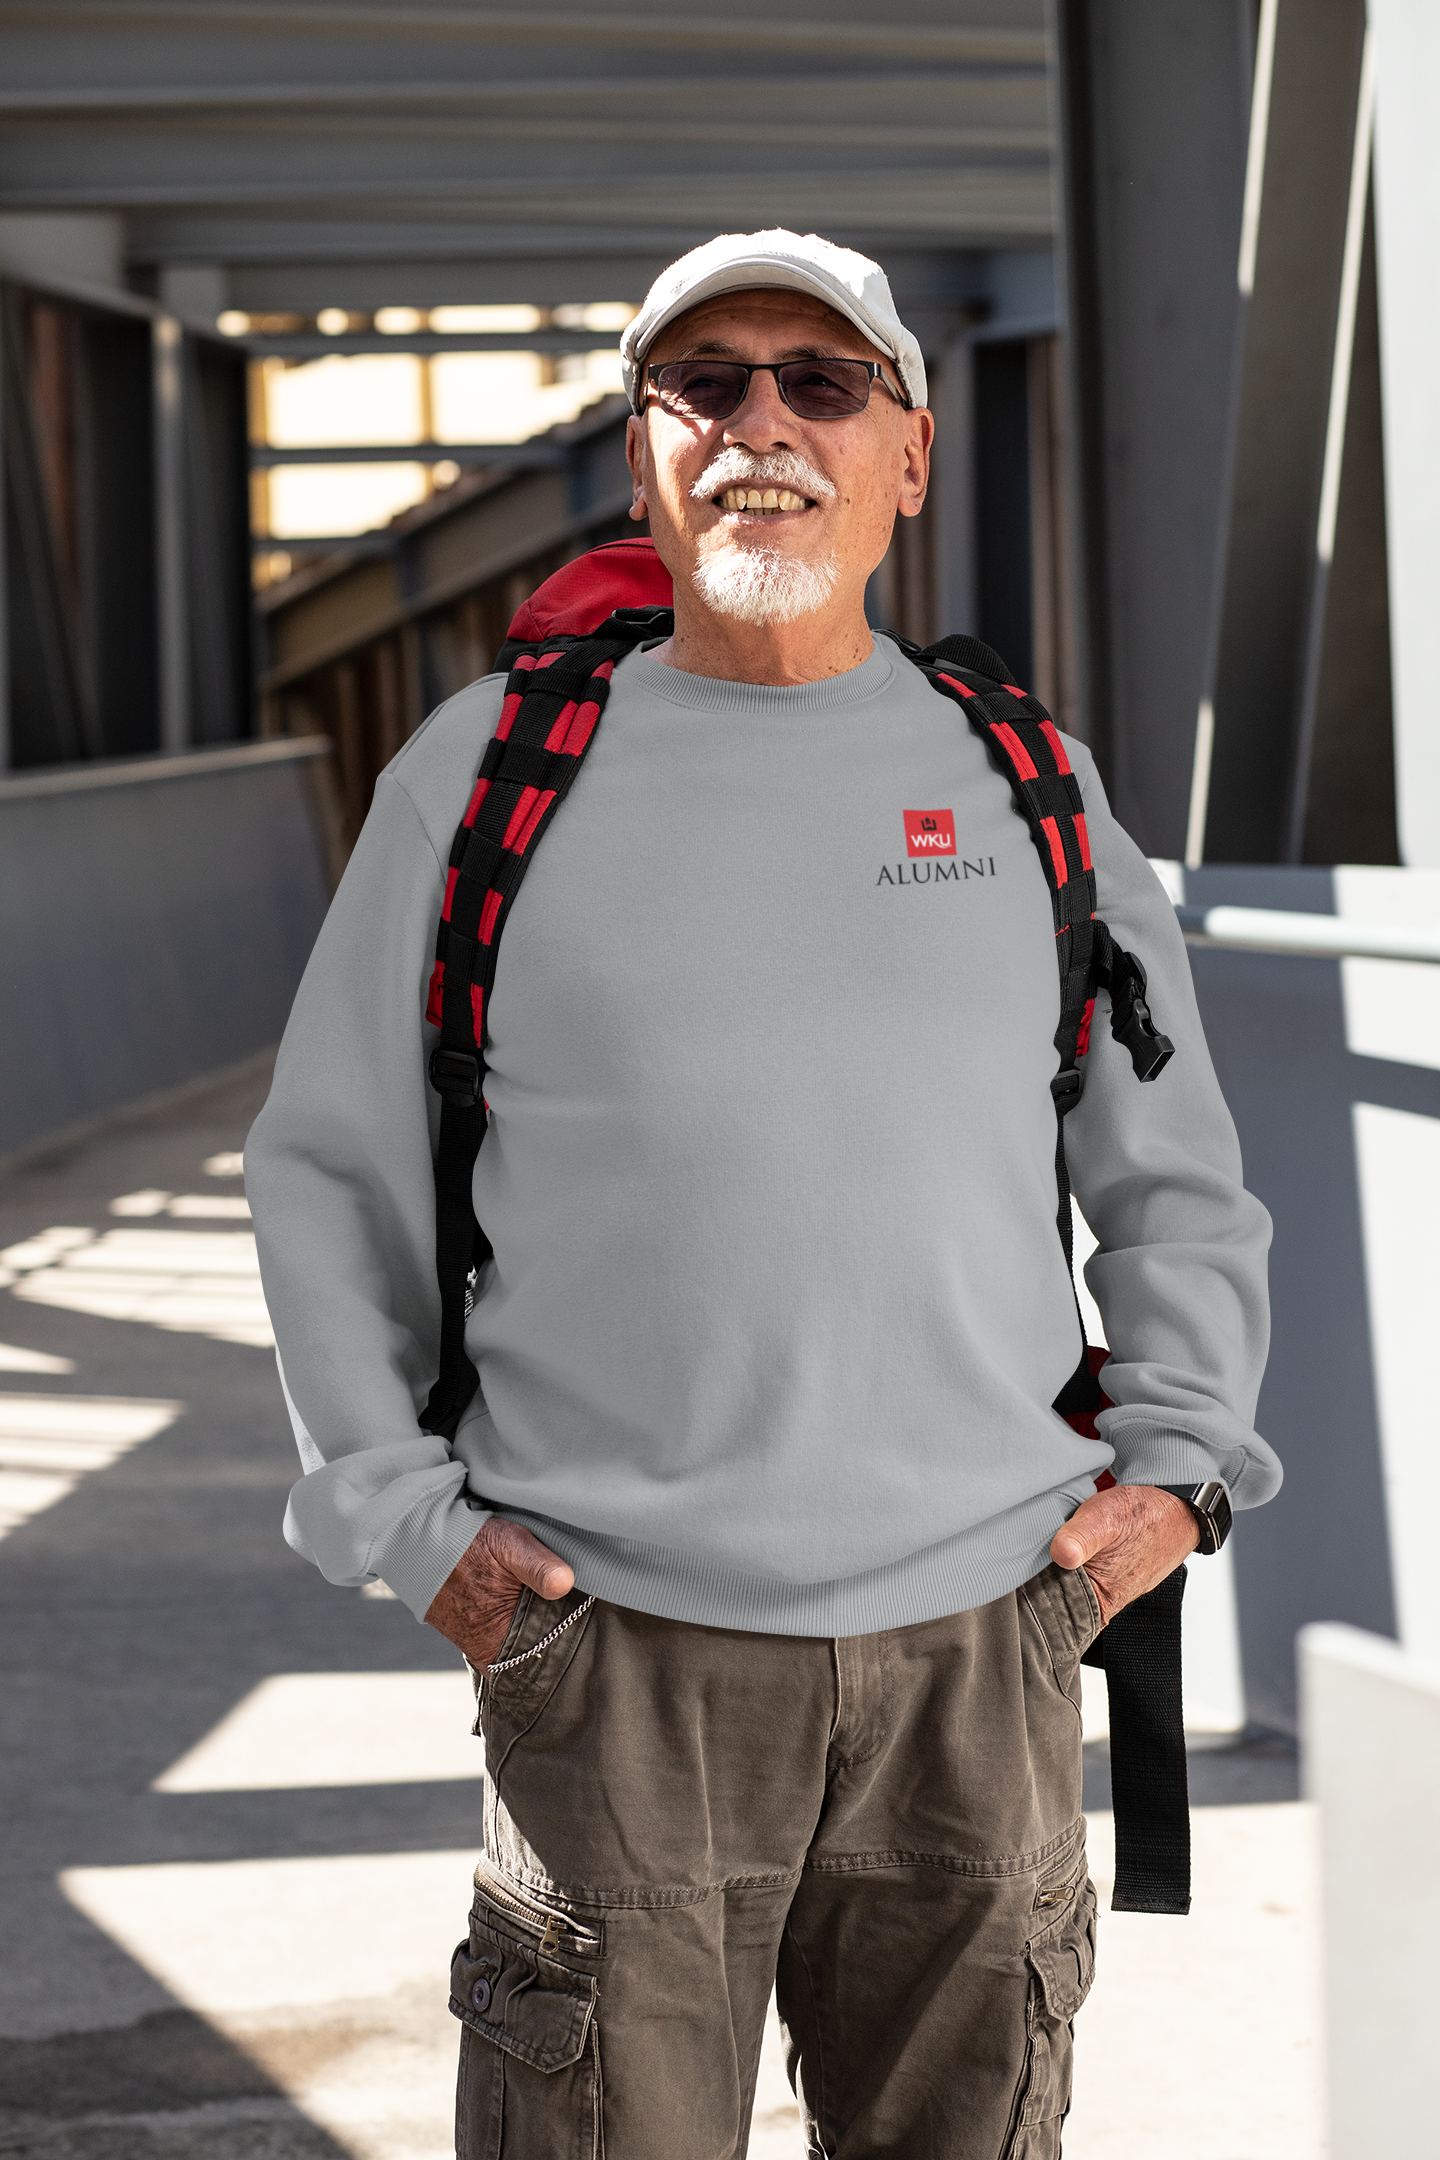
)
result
[(1209, 1503)]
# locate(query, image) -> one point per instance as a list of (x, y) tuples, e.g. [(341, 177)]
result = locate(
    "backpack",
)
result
[(558, 660)]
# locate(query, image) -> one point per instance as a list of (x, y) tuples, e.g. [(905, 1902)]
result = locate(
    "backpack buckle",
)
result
[(1065, 1089), (455, 1075), (1134, 1028)]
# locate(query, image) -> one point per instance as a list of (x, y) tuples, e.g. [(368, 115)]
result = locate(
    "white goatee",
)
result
[(763, 585), (753, 581)]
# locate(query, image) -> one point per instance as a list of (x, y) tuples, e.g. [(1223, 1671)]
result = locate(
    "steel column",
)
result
[(1302, 177), (5, 739), (172, 583), (1407, 186), (952, 400), (1153, 102)]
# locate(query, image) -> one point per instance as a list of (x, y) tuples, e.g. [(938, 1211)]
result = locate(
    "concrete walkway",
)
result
[(242, 1807)]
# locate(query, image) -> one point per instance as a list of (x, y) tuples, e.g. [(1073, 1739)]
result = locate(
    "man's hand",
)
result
[(1127, 1539), (476, 1602)]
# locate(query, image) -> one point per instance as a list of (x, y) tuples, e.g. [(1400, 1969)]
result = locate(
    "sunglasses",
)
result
[(813, 389)]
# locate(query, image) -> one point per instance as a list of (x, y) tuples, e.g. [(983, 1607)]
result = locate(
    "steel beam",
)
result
[(1302, 180), (303, 23), (56, 717), (316, 345), (457, 120), (978, 205), (1153, 105), (172, 605), (669, 112), (5, 394), (1407, 187), (526, 456), (952, 477), (1343, 785)]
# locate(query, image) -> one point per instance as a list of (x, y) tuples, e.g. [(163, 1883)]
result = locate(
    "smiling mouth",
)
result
[(761, 502)]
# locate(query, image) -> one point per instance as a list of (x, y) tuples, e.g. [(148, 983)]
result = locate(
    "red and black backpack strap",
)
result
[(1025, 745), (1139, 1651), (555, 693)]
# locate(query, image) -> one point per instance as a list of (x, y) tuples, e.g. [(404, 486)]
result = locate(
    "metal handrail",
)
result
[(1323, 937)]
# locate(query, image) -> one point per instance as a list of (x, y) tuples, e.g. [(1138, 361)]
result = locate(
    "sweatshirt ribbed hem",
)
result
[(964, 1572)]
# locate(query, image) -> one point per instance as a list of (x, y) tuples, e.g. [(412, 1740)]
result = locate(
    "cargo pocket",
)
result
[(478, 1672), (1065, 1613), (1062, 1966), (529, 2079), (543, 1639)]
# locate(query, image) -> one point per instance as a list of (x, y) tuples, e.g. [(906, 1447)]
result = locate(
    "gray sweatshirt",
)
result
[(778, 1309)]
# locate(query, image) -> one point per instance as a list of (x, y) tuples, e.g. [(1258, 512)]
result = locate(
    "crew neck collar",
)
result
[(710, 693)]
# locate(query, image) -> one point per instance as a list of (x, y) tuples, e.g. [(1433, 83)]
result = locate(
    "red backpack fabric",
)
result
[(576, 600)]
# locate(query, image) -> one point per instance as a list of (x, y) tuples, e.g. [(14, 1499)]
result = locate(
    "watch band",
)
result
[(1210, 1505)]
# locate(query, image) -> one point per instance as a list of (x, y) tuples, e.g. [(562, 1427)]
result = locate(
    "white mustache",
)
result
[(780, 468)]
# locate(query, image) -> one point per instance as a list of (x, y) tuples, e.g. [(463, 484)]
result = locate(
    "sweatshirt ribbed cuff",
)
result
[(1152, 1454), (423, 1548)]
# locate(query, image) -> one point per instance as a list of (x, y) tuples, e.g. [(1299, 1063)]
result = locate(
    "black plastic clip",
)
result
[(1131, 1024), (455, 1074), (1065, 1088)]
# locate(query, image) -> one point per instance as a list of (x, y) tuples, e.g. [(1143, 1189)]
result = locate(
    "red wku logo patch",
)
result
[(930, 832)]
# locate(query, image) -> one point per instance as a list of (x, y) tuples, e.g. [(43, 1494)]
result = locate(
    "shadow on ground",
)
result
[(134, 1614)]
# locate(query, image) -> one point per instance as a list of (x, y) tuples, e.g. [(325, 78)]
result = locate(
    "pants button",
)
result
[(480, 1995)]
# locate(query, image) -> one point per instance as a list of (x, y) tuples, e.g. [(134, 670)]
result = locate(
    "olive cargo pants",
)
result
[(886, 1828)]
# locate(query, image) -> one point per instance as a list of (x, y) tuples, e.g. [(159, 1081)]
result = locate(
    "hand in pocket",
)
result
[(1128, 1539), (475, 1604)]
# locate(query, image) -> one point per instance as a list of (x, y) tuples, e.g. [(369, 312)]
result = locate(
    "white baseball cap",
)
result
[(856, 287)]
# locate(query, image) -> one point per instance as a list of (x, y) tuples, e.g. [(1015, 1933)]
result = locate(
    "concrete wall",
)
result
[(1332, 1072), (1372, 1762), (155, 918)]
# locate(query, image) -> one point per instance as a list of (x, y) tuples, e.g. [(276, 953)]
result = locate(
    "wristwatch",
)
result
[(1210, 1505)]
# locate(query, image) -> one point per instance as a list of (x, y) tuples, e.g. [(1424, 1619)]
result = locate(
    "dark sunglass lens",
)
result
[(825, 389), (702, 389)]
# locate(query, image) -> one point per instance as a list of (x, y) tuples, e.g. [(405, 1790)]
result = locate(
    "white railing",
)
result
[(1325, 937)]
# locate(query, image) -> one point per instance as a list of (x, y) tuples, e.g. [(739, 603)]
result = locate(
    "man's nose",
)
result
[(764, 421)]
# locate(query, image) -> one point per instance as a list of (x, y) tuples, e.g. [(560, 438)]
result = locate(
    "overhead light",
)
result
[(398, 321), (233, 323), (595, 315), (333, 321), (498, 320), (445, 472)]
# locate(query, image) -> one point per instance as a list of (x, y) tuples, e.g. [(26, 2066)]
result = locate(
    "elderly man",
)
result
[(773, 1558)]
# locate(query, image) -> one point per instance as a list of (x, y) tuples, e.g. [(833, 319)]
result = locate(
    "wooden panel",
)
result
[(341, 607)]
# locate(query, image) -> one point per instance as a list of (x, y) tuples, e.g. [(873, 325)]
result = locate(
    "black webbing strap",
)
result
[(1139, 1654), (555, 693)]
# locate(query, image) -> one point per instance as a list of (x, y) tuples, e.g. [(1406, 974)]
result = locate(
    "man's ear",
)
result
[(915, 479), (635, 459)]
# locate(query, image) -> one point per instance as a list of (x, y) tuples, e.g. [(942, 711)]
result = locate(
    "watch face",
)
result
[(1211, 1504)]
